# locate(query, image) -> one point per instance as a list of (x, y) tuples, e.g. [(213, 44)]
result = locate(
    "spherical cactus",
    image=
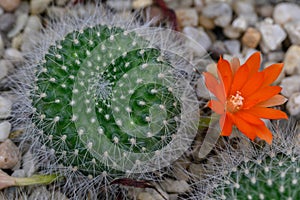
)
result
[(107, 98), (263, 172)]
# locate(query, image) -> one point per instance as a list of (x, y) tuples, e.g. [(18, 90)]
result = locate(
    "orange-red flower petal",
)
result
[(213, 85), (273, 101), (267, 113), (226, 124), (271, 73), (225, 74)]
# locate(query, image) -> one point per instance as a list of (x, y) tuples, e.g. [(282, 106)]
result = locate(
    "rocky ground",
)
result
[(222, 27)]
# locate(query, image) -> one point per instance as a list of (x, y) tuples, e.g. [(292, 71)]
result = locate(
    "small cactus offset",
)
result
[(264, 172), (108, 99)]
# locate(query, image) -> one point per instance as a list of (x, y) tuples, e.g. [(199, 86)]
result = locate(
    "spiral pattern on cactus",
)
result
[(107, 99)]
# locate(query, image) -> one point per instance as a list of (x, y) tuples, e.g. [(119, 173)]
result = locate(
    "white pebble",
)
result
[(5, 127), (5, 107)]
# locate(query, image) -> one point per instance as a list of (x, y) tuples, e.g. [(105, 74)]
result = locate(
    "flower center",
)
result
[(234, 102)]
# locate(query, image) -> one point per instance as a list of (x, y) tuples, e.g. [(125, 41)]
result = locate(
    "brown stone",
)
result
[(9, 154), (187, 17), (251, 37), (9, 5), (206, 22)]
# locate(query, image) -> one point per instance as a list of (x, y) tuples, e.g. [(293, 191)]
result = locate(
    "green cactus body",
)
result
[(274, 177), (106, 101)]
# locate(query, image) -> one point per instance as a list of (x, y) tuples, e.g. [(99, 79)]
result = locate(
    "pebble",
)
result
[(9, 5), (5, 107), (286, 12), (9, 154), (5, 128), (203, 41), (1, 46), (220, 12), (145, 196), (187, 17), (33, 24), (20, 23), (243, 7), (13, 55), (217, 49), (61, 2), (293, 30), (121, 5), (251, 37), (272, 35), (1, 10), (38, 6), (206, 22), (292, 60), (138, 4), (293, 105), (7, 21), (17, 41), (172, 186), (275, 56), (6, 67), (40, 193), (233, 47), (240, 23), (290, 85), (265, 10), (231, 32)]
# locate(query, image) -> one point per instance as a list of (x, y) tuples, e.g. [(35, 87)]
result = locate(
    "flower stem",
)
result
[(36, 179)]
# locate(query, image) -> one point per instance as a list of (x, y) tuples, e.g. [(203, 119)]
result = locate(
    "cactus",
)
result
[(107, 98), (262, 172)]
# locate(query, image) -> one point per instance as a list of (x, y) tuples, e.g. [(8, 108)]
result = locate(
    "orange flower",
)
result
[(243, 96)]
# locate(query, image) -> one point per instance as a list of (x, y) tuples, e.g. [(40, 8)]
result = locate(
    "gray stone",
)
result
[(221, 12), (7, 21), (1, 11), (9, 5), (293, 30), (5, 127), (201, 41), (28, 164), (293, 105), (243, 7), (61, 2), (13, 55), (240, 23), (265, 10), (19, 25), (33, 24), (290, 85), (9, 154), (1, 46), (23, 8), (275, 56), (231, 32), (38, 6), (121, 5), (172, 186), (187, 17), (40, 193), (286, 12), (272, 35), (5, 107), (233, 47), (6, 67), (17, 41), (292, 60)]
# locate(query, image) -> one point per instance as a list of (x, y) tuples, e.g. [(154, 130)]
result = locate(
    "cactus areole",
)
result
[(106, 100)]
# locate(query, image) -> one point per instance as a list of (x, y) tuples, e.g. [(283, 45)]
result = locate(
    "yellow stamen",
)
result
[(234, 102)]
